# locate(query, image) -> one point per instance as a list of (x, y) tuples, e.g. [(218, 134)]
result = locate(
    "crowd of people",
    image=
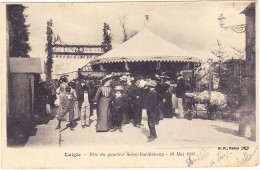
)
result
[(118, 101)]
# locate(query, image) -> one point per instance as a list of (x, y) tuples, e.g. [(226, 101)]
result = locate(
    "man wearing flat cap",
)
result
[(152, 106)]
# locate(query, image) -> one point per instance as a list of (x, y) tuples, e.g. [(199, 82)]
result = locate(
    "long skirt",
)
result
[(103, 115), (166, 105), (174, 101), (66, 117), (166, 108), (76, 110)]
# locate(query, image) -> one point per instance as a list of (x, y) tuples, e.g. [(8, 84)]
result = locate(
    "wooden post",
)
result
[(210, 80), (8, 67)]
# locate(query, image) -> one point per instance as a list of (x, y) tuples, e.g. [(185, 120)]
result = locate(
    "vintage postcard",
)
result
[(129, 85)]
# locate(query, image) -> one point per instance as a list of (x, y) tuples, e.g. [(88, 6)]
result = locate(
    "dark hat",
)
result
[(70, 83), (67, 87), (63, 79), (80, 77), (139, 77), (179, 75), (114, 77)]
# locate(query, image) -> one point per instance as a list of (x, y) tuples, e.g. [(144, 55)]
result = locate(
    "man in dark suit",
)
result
[(80, 92), (135, 94), (180, 94), (126, 107), (152, 106)]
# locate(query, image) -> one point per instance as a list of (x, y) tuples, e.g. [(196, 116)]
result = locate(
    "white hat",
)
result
[(151, 83), (123, 78)]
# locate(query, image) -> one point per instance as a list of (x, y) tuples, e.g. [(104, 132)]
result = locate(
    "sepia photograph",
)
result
[(163, 84)]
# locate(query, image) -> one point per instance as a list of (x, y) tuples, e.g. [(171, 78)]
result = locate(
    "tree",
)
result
[(18, 31), (220, 53), (229, 73), (106, 38), (240, 54), (126, 36), (48, 49)]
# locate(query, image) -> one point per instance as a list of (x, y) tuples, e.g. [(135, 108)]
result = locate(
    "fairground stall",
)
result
[(147, 54)]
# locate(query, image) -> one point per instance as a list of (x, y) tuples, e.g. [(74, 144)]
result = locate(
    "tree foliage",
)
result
[(229, 73), (220, 53), (106, 38), (49, 62), (18, 31)]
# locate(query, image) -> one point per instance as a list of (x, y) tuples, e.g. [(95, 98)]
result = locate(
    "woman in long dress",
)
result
[(60, 91), (102, 98), (75, 100)]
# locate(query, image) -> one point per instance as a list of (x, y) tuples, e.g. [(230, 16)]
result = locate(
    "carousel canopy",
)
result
[(145, 46)]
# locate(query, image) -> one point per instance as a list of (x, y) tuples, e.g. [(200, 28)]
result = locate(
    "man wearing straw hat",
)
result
[(152, 106)]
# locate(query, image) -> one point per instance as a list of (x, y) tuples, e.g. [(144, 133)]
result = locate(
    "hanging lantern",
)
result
[(158, 67), (102, 68), (126, 67)]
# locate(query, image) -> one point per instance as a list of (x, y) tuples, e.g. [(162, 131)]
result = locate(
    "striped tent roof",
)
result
[(146, 46)]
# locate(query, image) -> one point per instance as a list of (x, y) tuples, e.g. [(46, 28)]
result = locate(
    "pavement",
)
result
[(176, 133)]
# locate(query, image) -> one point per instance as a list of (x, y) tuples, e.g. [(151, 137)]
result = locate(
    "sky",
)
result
[(191, 25)]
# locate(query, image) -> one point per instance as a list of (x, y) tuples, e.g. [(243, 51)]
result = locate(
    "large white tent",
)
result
[(146, 46)]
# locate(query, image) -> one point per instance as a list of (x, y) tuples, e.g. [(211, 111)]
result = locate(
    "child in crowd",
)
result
[(117, 104), (67, 106)]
